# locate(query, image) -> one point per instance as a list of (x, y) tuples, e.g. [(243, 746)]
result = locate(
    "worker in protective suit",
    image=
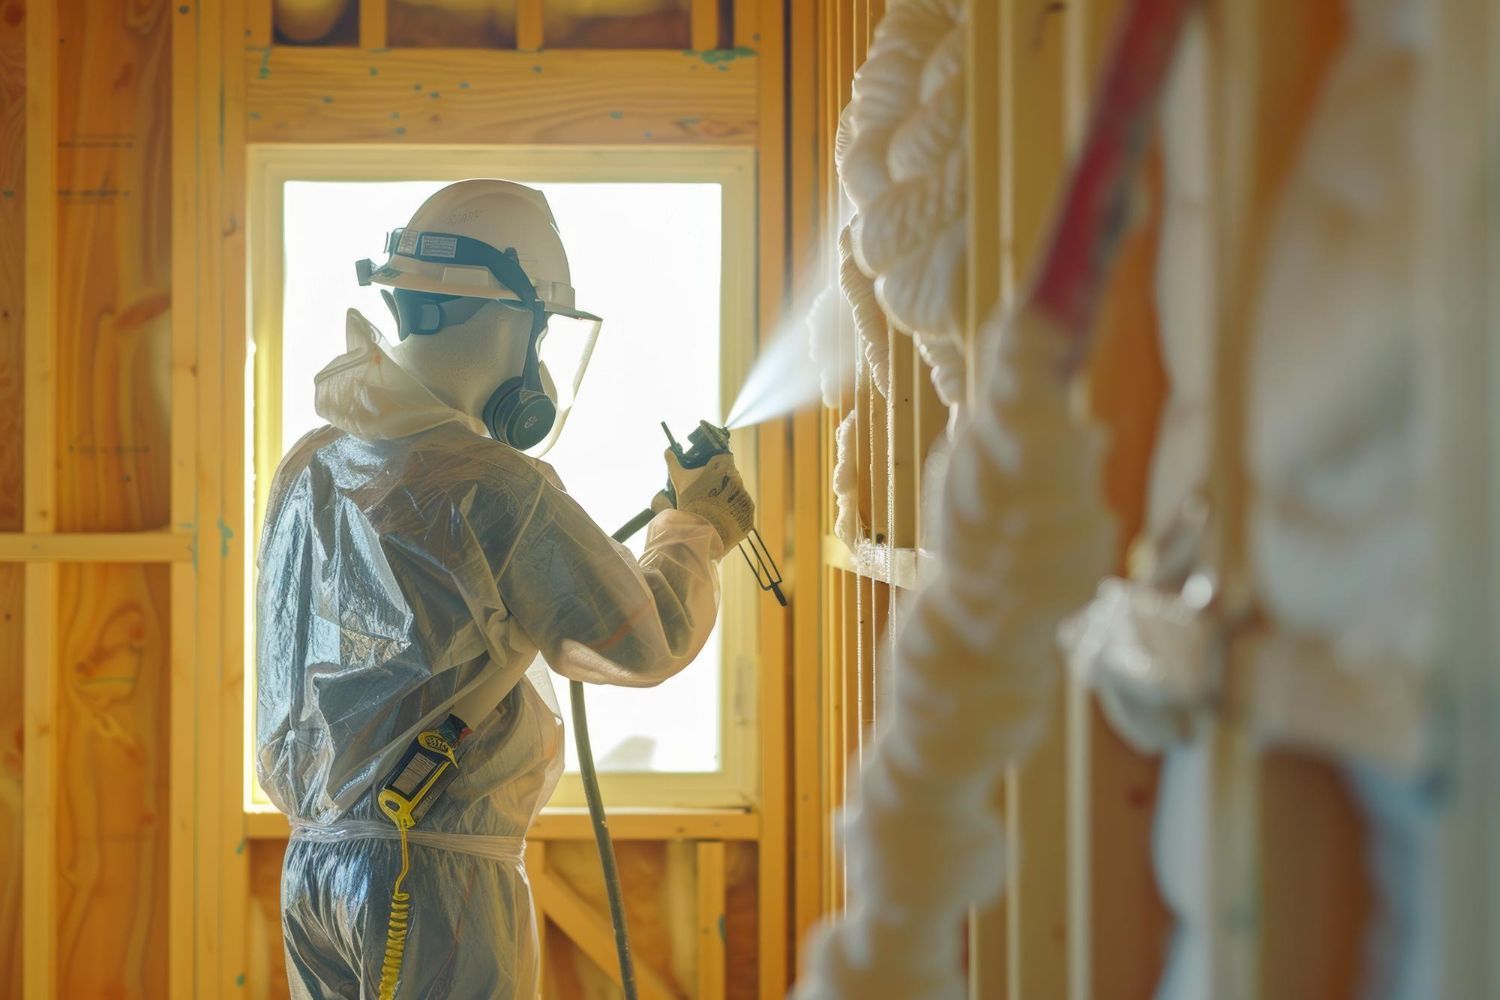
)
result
[(415, 560)]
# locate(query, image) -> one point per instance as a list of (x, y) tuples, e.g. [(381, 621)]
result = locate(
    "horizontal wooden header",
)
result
[(492, 97), (98, 547), (557, 823)]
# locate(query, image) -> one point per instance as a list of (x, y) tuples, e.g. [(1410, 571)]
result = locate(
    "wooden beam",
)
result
[(573, 824), (372, 23), (13, 207), (226, 224), (988, 59), (628, 824), (812, 474), (97, 547), (185, 871), (39, 710), (704, 16), (536, 861), (481, 96), (778, 478), (746, 24), (590, 931), (258, 28), (1232, 798), (530, 26), (1034, 146), (906, 568), (711, 905)]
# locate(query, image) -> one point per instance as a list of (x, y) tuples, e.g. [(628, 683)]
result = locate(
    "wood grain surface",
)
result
[(114, 263), (12, 404), (111, 831), (112, 341), (478, 96)]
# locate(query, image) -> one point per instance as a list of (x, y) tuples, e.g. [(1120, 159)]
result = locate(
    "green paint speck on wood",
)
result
[(726, 55)]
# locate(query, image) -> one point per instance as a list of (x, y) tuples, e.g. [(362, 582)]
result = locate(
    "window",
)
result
[(658, 246)]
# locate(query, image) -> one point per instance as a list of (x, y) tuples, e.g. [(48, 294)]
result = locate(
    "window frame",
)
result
[(736, 784)]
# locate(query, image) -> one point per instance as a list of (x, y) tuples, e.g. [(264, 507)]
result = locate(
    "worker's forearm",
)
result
[(672, 617)]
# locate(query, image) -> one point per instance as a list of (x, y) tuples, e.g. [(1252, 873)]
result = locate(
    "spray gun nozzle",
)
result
[(705, 442)]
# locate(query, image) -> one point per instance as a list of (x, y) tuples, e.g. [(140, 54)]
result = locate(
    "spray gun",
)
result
[(705, 443)]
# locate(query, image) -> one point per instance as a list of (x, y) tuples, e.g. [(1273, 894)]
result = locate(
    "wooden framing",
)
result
[(590, 931), (1032, 67), (992, 163), (571, 823), (232, 395), (372, 23), (784, 486), (710, 918), (219, 99), (447, 96), (770, 103), (39, 837), (1459, 250), (735, 783), (530, 27), (811, 861), (554, 98), (704, 16), (126, 547)]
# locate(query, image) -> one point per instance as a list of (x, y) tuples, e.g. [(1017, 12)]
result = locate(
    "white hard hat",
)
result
[(442, 250)]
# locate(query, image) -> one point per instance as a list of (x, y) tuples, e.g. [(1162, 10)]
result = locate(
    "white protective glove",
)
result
[(714, 492)]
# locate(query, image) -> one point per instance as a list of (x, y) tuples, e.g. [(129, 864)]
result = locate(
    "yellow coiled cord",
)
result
[(397, 927)]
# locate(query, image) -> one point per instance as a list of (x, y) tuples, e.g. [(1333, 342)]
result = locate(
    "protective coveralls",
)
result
[(406, 558)]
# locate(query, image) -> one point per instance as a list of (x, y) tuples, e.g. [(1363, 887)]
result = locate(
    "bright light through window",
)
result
[(646, 257)]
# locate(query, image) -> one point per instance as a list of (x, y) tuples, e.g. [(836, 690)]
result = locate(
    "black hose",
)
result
[(590, 778), (634, 524), (602, 839)]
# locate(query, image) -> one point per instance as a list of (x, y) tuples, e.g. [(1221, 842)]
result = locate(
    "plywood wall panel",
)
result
[(114, 264), (111, 829)]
